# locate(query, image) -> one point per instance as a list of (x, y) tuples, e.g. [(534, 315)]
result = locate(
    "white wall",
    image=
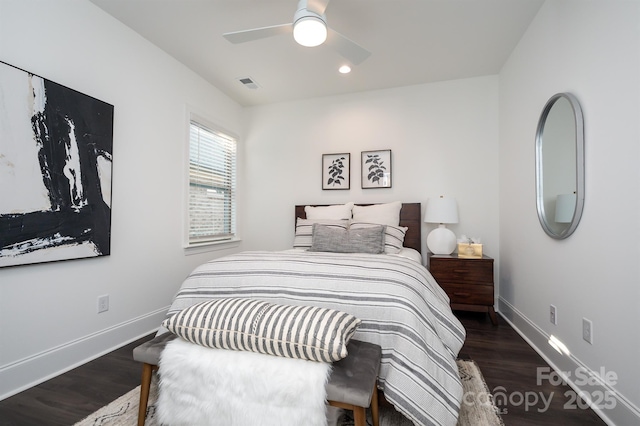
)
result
[(443, 137), (48, 319), (591, 49)]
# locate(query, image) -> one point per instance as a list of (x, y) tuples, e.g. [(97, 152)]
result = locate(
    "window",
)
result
[(212, 185)]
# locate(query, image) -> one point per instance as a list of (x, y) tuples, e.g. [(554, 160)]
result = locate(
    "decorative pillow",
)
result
[(337, 212), (364, 240), (382, 214), (304, 230), (393, 236), (304, 332)]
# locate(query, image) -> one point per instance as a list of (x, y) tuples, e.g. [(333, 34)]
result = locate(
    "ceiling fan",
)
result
[(309, 28)]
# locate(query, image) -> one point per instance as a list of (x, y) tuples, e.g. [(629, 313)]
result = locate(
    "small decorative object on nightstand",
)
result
[(467, 282), (469, 247)]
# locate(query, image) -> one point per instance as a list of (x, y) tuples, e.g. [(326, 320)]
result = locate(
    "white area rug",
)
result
[(477, 406)]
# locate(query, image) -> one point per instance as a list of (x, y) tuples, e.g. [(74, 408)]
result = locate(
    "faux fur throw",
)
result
[(204, 386)]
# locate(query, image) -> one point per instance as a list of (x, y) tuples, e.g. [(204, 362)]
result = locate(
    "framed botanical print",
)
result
[(376, 169), (336, 171)]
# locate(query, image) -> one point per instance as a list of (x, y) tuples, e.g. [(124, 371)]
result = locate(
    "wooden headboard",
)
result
[(409, 216)]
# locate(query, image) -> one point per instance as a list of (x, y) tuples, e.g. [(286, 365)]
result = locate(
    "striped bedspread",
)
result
[(401, 306)]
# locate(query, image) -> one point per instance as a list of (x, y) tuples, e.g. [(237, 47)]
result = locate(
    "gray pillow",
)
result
[(364, 240), (393, 239), (304, 230)]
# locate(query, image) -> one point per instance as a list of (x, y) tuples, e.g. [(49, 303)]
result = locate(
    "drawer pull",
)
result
[(462, 294), (461, 271)]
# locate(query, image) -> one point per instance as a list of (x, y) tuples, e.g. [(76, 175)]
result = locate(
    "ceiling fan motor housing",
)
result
[(309, 27)]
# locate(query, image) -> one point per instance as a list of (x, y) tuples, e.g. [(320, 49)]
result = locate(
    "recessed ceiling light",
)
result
[(345, 69)]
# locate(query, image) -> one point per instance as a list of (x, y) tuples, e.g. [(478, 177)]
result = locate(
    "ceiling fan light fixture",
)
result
[(310, 31)]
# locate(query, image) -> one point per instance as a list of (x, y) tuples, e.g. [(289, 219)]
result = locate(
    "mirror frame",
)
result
[(579, 148)]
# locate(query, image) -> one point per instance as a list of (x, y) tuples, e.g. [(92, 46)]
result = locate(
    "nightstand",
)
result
[(467, 282)]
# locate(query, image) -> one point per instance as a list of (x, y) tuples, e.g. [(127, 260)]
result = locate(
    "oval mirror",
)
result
[(560, 165)]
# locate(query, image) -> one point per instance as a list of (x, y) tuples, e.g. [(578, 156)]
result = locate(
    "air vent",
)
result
[(248, 82)]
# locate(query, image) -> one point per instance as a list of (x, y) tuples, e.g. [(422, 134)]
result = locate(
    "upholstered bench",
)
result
[(148, 354), (352, 384), (353, 381)]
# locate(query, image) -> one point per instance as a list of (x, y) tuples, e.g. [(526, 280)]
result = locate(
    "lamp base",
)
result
[(441, 240)]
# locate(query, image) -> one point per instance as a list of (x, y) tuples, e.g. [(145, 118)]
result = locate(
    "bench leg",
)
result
[(145, 385), (359, 416), (374, 406)]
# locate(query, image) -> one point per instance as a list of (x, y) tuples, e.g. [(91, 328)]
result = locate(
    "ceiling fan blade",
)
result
[(318, 6), (348, 49), (258, 33)]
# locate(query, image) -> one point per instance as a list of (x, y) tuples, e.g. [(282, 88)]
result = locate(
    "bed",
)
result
[(401, 306)]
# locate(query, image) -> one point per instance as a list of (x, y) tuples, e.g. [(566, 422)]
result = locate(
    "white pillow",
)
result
[(337, 212), (381, 214), (304, 230), (393, 235)]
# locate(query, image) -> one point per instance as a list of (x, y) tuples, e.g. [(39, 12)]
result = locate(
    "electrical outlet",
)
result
[(103, 303), (553, 315), (587, 330)]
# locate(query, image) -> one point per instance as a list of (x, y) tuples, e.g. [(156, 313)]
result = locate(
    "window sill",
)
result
[(211, 246)]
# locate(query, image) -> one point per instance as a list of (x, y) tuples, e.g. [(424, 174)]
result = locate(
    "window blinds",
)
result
[(212, 185)]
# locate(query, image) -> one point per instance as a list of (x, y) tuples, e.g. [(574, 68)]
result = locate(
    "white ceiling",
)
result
[(411, 42)]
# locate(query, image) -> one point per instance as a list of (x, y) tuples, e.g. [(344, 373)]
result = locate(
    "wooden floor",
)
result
[(504, 358), (510, 367)]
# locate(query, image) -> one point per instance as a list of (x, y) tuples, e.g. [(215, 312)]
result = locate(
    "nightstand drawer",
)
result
[(469, 294), (462, 271)]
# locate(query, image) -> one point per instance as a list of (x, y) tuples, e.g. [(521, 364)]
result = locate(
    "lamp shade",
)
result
[(565, 207), (441, 210)]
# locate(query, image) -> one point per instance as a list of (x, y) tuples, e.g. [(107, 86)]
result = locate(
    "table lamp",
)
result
[(441, 210)]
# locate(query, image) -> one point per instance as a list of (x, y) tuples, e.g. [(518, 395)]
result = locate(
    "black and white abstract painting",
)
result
[(55, 171)]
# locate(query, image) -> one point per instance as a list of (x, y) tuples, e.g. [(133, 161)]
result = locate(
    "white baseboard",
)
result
[(31, 371), (613, 407)]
